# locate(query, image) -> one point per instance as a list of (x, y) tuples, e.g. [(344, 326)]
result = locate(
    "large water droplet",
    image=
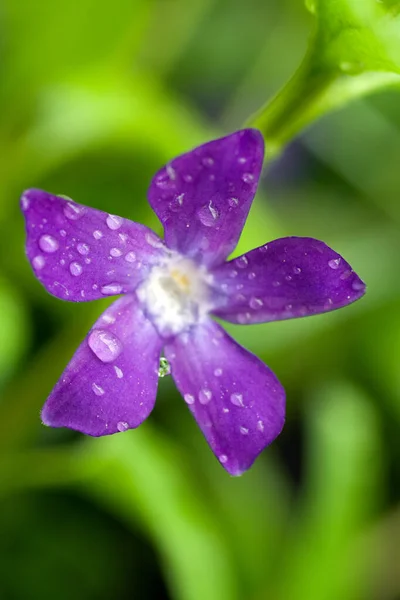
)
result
[(208, 215), (98, 390), (205, 396), (105, 345), (83, 249), (111, 289), (122, 426), (237, 399), (223, 458), (164, 368), (38, 262), (260, 426), (188, 398), (115, 252), (242, 262), (334, 263), (73, 211), (75, 269), (114, 222), (48, 244), (130, 257)]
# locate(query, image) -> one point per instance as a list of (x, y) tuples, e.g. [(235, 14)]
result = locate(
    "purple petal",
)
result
[(110, 385), (290, 277), (237, 401), (203, 197), (79, 253)]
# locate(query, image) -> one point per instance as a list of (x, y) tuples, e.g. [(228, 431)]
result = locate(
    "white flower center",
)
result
[(176, 295)]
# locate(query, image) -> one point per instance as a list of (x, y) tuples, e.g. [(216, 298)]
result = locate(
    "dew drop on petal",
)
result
[(75, 269), (97, 234), (260, 426), (105, 345), (48, 244), (188, 398), (223, 459), (252, 275), (25, 202), (357, 286), (255, 303), (205, 396), (115, 252), (122, 426), (334, 263), (242, 262), (130, 257), (98, 390), (208, 215), (243, 430), (73, 211), (218, 372), (83, 249), (111, 288), (296, 270), (233, 202), (63, 233), (237, 399), (207, 161), (114, 222), (248, 177), (153, 240), (119, 373), (38, 262)]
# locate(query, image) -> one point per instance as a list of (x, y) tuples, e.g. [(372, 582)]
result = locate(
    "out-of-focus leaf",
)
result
[(14, 329), (355, 50), (142, 475), (343, 482)]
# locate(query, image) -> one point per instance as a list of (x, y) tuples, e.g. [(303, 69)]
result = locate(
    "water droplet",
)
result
[(207, 161), (208, 215), (115, 252), (63, 233), (97, 234), (255, 303), (242, 262), (251, 275), (188, 178), (345, 275), (75, 269), (153, 240), (38, 262), (237, 399), (130, 257), (233, 273), (111, 288), (87, 261), (260, 426), (83, 249), (358, 285), (218, 372), (48, 244), (119, 373), (328, 304), (233, 202), (225, 410), (243, 318), (288, 278), (297, 270), (73, 211), (334, 263), (205, 396), (107, 318), (105, 345), (164, 368), (25, 202), (242, 160), (122, 426), (98, 390), (176, 203), (114, 222), (170, 172), (248, 177), (276, 284), (223, 459), (243, 430), (188, 398)]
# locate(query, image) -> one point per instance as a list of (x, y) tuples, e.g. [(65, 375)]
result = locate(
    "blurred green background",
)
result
[(94, 97)]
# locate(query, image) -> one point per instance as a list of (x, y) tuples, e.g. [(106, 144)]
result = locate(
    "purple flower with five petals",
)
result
[(170, 290)]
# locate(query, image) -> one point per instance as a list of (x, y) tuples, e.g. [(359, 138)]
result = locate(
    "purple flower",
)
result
[(170, 290)]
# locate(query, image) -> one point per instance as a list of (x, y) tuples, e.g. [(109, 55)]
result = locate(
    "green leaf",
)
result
[(355, 49)]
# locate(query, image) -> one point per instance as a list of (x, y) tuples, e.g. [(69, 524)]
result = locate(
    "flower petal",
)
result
[(203, 197), (110, 385), (290, 277), (80, 253), (237, 401)]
